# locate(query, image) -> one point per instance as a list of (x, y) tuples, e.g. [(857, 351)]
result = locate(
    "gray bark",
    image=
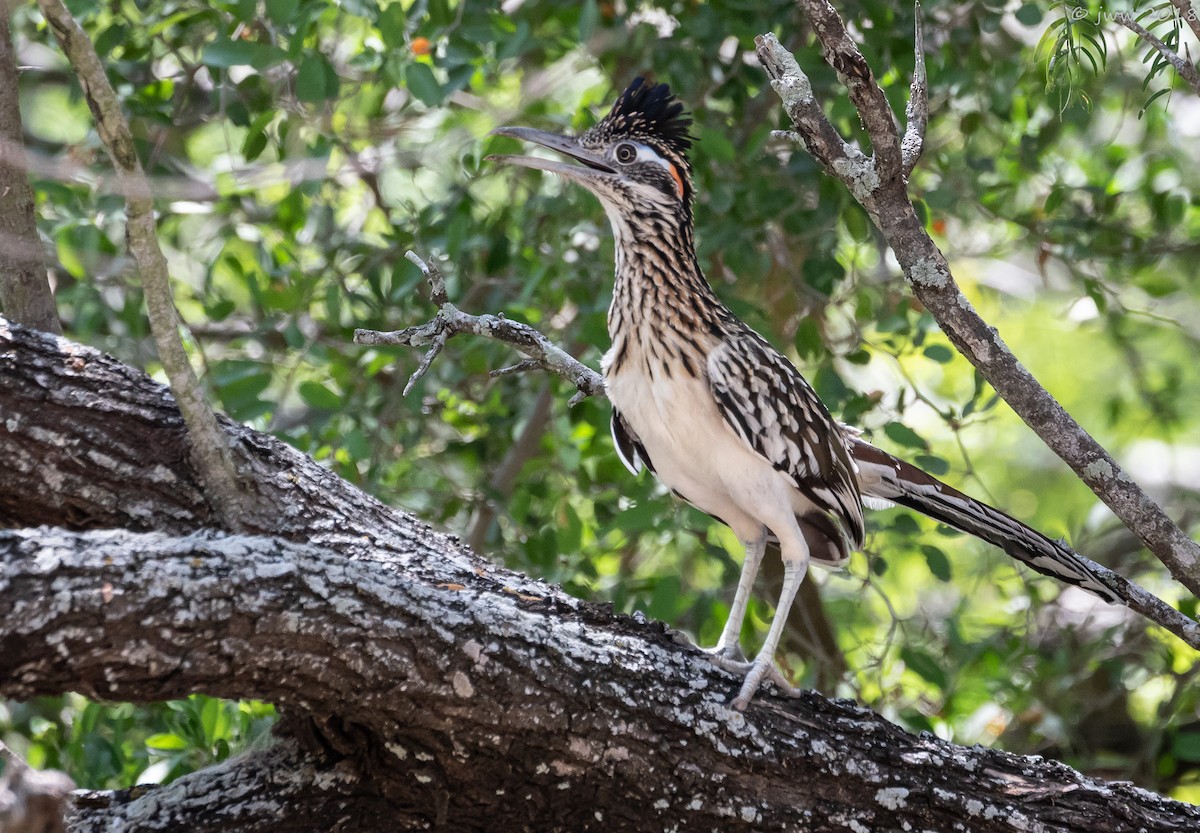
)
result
[(420, 685), (24, 288)]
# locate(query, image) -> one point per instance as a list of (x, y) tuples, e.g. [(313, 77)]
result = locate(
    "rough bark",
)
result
[(489, 705), (25, 294), (427, 685), (278, 790)]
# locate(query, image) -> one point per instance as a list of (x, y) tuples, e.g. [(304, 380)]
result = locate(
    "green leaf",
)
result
[(282, 11), (1186, 746), (938, 563), (589, 18), (256, 137), (244, 389), (319, 396), (312, 79), (857, 223), (932, 464), (1030, 14), (392, 26), (939, 353), (901, 434), (924, 665), (166, 741), (1054, 199), (423, 85), (224, 54)]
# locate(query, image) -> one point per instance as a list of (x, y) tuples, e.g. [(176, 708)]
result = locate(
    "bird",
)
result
[(715, 412)]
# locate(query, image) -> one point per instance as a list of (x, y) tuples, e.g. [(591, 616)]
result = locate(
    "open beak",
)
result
[(592, 165)]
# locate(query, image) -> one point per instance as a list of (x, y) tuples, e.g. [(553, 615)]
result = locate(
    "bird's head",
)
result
[(634, 159)]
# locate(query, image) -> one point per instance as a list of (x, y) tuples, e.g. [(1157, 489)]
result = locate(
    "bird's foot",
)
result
[(762, 670), (728, 656)]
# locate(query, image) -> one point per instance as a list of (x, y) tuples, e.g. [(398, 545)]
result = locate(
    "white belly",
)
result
[(695, 452)]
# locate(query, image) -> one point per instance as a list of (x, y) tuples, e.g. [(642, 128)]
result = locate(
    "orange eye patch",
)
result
[(677, 177)]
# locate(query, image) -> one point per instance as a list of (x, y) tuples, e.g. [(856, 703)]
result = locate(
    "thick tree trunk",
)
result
[(24, 289), (421, 685)]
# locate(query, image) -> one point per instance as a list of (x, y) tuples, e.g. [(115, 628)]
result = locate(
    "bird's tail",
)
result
[(887, 478)]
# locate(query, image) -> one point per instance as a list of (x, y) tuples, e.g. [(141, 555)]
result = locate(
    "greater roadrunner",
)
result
[(712, 409)]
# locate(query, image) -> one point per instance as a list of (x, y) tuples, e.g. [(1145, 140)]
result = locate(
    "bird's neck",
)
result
[(663, 309)]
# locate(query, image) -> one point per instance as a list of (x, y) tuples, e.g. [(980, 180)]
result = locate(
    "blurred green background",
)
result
[(299, 147)]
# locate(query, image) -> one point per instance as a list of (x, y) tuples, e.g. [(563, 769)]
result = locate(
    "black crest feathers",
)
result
[(649, 113)]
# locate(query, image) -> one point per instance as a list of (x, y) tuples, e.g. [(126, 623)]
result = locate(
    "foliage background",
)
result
[(299, 147)]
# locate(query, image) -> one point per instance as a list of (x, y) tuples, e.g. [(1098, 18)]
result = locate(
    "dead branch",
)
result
[(451, 321)]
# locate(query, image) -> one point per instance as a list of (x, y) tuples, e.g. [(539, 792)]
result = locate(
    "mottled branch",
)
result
[(916, 114), (1186, 69), (283, 789), (207, 441), (451, 321), (480, 700), (25, 294), (886, 200), (813, 130), (844, 56)]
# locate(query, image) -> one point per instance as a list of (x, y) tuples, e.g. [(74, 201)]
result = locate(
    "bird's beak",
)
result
[(593, 166)]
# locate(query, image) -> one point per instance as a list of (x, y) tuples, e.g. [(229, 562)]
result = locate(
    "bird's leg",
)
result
[(728, 647), (763, 666)]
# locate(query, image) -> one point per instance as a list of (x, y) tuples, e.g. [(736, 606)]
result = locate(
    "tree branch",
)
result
[(207, 441), (25, 292), (855, 73), (451, 321), (458, 683), (278, 790), (917, 112), (439, 682), (1186, 69), (886, 200)]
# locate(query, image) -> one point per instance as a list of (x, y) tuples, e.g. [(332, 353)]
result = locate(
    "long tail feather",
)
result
[(884, 477)]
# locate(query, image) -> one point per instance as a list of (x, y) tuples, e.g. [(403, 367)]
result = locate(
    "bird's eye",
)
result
[(626, 152)]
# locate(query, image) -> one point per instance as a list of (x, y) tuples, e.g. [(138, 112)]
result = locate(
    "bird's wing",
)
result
[(767, 403), (629, 447)]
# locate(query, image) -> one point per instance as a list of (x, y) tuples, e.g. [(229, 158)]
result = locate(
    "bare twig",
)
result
[(891, 209), (451, 321), (1186, 69), (813, 130), (917, 112), (854, 72), (210, 453)]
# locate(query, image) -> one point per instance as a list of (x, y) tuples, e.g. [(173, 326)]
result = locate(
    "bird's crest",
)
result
[(647, 113)]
